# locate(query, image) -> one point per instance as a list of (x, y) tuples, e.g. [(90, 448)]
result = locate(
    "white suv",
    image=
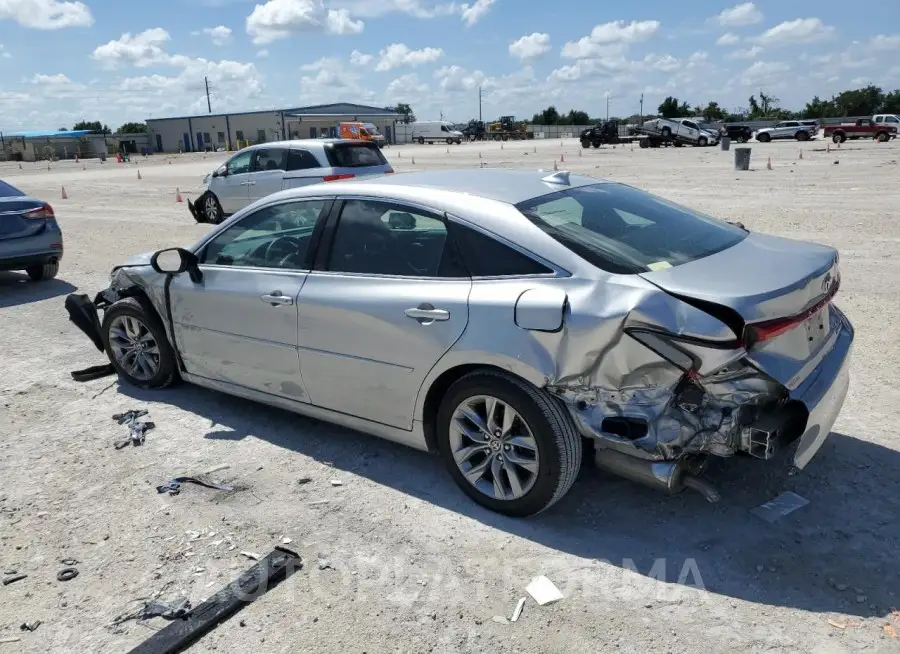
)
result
[(260, 170)]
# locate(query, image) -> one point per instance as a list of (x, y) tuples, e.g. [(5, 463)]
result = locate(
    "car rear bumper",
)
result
[(23, 261), (823, 393)]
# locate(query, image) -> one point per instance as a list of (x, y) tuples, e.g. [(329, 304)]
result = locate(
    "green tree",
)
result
[(95, 126), (891, 104), (576, 117), (63, 129), (405, 111), (670, 108), (549, 116), (712, 112), (132, 128), (859, 102)]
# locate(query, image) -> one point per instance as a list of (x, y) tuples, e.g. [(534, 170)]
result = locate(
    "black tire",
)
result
[(212, 211), (802, 135), (838, 138), (883, 137), (666, 132), (585, 144), (559, 443), (644, 143), (42, 272), (702, 141), (421, 141), (741, 139), (763, 138), (167, 372)]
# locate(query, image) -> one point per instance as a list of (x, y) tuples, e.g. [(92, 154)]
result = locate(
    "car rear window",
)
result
[(355, 155), (9, 191), (623, 230)]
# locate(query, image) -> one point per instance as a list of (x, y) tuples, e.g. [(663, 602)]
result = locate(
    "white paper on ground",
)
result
[(543, 591)]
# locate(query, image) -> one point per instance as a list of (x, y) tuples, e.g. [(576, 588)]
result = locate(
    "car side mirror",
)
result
[(174, 261), (221, 171)]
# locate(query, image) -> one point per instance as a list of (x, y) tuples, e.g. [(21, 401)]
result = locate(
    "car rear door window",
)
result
[(276, 236), (302, 160), (268, 159), (485, 256), (623, 230), (355, 155), (384, 238)]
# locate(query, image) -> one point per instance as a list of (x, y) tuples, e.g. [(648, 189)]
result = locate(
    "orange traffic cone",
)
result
[(562, 158), (139, 173), (769, 163), (178, 197), (828, 147), (63, 195), (555, 167), (801, 154)]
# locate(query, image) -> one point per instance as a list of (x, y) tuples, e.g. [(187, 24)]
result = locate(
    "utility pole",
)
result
[(479, 105), (607, 106), (642, 107), (208, 105)]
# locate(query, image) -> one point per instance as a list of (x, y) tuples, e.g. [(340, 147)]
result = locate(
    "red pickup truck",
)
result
[(862, 128)]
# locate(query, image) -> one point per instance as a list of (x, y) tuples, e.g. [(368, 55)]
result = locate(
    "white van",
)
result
[(435, 131)]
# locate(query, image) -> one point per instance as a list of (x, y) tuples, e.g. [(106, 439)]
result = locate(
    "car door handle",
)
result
[(426, 313), (275, 298)]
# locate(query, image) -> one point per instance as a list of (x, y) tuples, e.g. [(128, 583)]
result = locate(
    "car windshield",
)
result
[(371, 129), (9, 191), (355, 155), (623, 230)]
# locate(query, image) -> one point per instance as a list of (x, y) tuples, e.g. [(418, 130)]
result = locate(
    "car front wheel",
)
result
[(212, 209), (137, 346), (44, 271), (509, 446)]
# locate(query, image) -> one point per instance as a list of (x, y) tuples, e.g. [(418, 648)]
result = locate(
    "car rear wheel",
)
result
[(137, 346), (42, 272), (763, 138), (421, 140), (802, 135), (212, 209), (883, 137), (702, 142), (509, 446), (838, 138)]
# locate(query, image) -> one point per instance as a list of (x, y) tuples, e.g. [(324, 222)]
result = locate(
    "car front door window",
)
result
[(276, 236), (266, 159), (240, 163)]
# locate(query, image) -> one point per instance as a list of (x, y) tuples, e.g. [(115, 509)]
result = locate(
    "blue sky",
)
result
[(118, 60)]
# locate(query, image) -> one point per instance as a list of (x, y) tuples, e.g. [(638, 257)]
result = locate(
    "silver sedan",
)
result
[(503, 319)]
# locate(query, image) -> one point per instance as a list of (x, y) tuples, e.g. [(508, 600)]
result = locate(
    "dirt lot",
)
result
[(396, 558)]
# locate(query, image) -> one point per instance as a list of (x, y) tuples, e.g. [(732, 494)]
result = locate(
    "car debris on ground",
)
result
[(174, 610), (262, 577), (543, 591), (137, 429), (13, 579), (173, 486), (777, 508), (30, 626)]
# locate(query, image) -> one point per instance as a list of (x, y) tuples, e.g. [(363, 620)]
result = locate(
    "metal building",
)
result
[(206, 132)]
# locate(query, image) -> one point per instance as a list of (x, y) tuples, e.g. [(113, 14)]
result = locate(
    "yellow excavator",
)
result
[(507, 129)]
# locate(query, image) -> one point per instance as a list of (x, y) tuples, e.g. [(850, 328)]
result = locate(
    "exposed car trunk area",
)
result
[(774, 293), (13, 220)]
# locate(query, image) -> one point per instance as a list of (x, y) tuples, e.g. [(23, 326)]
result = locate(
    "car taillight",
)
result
[(44, 212), (334, 178), (766, 331), (389, 171)]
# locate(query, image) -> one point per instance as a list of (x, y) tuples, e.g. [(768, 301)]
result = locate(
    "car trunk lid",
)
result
[(13, 223), (773, 292)]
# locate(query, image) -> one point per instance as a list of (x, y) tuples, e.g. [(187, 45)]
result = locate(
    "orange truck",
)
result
[(361, 132)]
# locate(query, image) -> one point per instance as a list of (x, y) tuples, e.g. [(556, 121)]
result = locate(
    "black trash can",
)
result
[(725, 143), (742, 158)]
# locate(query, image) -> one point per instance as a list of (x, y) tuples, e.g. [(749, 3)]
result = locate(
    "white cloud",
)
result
[(457, 78), (262, 54), (278, 19), (4, 53), (883, 43), (358, 58), (663, 63), (46, 14), (729, 38), (331, 80), (220, 34), (697, 59), (471, 14), (398, 54), (762, 72), (583, 68), (743, 14), (406, 89), (141, 50), (531, 46), (414, 8), (746, 53), (801, 30), (610, 39), (57, 79)]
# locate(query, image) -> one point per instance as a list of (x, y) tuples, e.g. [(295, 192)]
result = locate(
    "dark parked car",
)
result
[(739, 133), (30, 238)]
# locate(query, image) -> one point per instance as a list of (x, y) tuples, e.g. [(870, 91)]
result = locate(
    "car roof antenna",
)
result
[(559, 177)]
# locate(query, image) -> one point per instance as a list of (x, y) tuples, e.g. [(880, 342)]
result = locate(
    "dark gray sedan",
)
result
[(30, 238)]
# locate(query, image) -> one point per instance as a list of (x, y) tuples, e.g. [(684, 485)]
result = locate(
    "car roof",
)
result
[(300, 143), (503, 185)]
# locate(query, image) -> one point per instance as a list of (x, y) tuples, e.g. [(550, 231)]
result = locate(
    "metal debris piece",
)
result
[(251, 555), (518, 610), (173, 486), (137, 429), (337, 482), (30, 626), (779, 507), (259, 579), (543, 591), (304, 480), (13, 639), (67, 574), (13, 579), (499, 619)]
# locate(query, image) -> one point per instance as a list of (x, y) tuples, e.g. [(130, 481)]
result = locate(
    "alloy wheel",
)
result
[(211, 208), (494, 448), (134, 347)]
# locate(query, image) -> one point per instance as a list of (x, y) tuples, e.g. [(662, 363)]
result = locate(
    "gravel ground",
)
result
[(396, 558)]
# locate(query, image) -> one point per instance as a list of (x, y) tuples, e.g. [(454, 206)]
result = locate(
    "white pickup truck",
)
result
[(680, 130), (891, 120)]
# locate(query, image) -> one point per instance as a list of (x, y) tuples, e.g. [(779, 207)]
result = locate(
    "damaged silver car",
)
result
[(502, 319)]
